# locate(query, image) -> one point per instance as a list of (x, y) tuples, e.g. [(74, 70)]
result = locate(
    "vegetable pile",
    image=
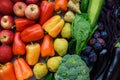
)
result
[(58, 39), (72, 68)]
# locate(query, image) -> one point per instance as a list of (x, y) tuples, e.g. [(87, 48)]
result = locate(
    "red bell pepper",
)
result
[(7, 72), (32, 33), (47, 11), (18, 45), (22, 23)]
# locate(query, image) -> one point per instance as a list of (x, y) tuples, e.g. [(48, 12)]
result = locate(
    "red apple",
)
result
[(19, 9), (6, 36), (5, 53), (0, 20), (7, 22), (6, 7), (32, 11), (17, 1), (31, 1)]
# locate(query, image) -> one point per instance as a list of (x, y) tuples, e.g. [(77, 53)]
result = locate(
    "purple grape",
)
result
[(97, 46), (100, 26), (96, 34), (103, 34), (92, 57), (92, 41), (102, 42)]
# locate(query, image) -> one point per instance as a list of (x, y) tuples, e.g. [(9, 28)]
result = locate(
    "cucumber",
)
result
[(84, 5), (94, 10)]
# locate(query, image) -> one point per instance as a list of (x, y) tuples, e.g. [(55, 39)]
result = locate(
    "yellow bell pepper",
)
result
[(53, 26), (32, 53)]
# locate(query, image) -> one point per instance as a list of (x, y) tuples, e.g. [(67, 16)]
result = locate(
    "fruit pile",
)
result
[(36, 34)]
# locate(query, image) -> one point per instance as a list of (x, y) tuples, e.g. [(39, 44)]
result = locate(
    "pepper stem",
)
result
[(58, 12), (3, 67), (46, 58), (32, 43), (45, 32), (49, 0), (18, 56)]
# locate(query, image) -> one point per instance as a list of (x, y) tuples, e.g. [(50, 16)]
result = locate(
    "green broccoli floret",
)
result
[(72, 67)]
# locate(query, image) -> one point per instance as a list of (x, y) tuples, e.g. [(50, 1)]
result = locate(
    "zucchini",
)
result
[(94, 10)]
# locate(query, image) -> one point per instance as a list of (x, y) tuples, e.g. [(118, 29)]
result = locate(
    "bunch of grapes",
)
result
[(95, 45)]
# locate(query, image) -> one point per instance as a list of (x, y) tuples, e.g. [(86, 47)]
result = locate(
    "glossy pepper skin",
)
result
[(22, 23), (46, 11), (32, 53), (47, 48), (22, 69), (7, 72), (54, 25), (18, 45), (32, 33), (61, 5)]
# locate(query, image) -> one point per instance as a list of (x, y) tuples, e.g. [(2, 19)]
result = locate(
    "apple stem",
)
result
[(32, 9), (3, 37), (3, 67), (20, 7), (13, 26)]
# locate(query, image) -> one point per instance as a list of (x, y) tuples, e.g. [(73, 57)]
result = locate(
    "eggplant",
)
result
[(114, 70), (100, 65)]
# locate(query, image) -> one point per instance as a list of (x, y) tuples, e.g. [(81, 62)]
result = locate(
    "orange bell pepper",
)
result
[(18, 45), (32, 33), (61, 5), (53, 25), (32, 53), (47, 48), (22, 69), (7, 72)]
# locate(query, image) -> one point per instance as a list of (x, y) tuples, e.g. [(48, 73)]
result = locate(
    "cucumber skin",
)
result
[(94, 10)]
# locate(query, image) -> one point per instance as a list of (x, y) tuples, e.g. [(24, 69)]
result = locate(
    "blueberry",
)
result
[(102, 42), (87, 50), (96, 34), (97, 46), (92, 41), (92, 57), (103, 34), (100, 26)]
